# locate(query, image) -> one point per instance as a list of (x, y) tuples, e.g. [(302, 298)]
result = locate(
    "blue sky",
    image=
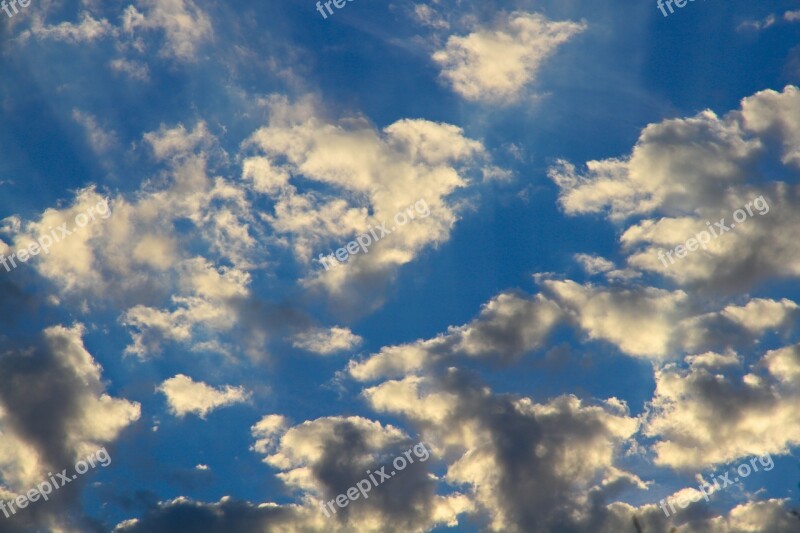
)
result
[(522, 326)]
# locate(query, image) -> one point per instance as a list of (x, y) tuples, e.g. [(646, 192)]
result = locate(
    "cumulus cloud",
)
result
[(322, 458), (327, 341), (365, 177), (493, 64), (173, 285), (593, 264), (526, 464), (685, 175), (508, 326), (757, 405), (186, 396), (640, 321), (54, 410)]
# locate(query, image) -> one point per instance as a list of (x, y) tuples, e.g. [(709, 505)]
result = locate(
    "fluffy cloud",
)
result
[(87, 30), (757, 405), (210, 306), (508, 326), (137, 259), (184, 24), (188, 396), (327, 341), (493, 64), (640, 321), (324, 457), (54, 409), (687, 174), (364, 177), (527, 465)]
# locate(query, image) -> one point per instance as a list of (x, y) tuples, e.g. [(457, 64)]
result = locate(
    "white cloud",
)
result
[(54, 407), (428, 16), (186, 396), (209, 303), (508, 326), (791, 16), (684, 175), (369, 176), (493, 64), (326, 341), (99, 139), (758, 407), (135, 69), (639, 322), (186, 27), (88, 30), (524, 463), (760, 314), (324, 457), (594, 264), (758, 25)]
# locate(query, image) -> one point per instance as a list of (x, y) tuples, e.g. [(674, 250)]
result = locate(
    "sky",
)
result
[(409, 266)]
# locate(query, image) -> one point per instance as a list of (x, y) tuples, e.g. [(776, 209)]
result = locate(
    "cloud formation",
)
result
[(186, 396), (493, 64)]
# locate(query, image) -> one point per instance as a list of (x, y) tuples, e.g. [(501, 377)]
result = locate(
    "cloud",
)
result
[(54, 410), (593, 264), (99, 139), (324, 457), (173, 285), (757, 405), (508, 326), (639, 321), (186, 396), (683, 175), (88, 30), (645, 322), (210, 306), (493, 64), (168, 143), (761, 314), (427, 16), (758, 25), (186, 27), (326, 341), (225, 516), (525, 464), (134, 69), (751, 516), (362, 178)]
